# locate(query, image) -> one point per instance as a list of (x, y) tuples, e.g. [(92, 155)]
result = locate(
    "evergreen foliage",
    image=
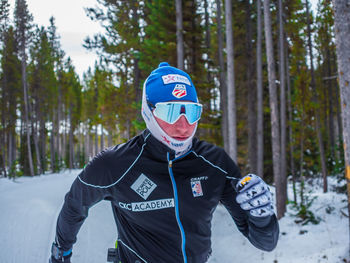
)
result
[(72, 119)]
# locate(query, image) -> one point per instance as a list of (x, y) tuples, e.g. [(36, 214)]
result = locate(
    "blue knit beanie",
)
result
[(167, 83)]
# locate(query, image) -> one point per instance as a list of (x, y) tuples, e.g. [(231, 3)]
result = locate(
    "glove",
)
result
[(254, 196), (58, 255)]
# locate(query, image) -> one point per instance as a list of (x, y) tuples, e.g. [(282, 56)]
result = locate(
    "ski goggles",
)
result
[(170, 112)]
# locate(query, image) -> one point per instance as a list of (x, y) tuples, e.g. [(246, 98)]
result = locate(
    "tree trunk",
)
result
[(231, 105), (223, 89), (337, 101), (251, 93), (26, 113), (137, 71), (52, 148), (64, 141), (91, 144), (71, 142), (86, 142), (9, 144), (331, 103), (96, 140), (275, 129), (110, 139), (315, 100), (3, 153), (102, 138), (282, 68), (342, 33), (58, 123), (53, 139), (260, 99), (302, 136), (179, 35), (36, 145), (207, 25), (290, 119)]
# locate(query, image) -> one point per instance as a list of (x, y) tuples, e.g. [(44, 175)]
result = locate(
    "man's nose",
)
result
[(182, 123)]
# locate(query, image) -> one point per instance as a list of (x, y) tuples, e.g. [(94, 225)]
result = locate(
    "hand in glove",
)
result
[(58, 255), (254, 196)]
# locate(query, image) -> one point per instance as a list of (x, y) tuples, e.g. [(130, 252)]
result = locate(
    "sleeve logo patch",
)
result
[(173, 78), (143, 186), (196, 188)]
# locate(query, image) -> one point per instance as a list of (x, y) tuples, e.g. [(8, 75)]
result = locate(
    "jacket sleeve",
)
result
[(261, 232), (87, 190)]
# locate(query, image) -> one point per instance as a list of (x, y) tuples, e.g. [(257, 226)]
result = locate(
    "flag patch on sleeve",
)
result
[(196, 188)]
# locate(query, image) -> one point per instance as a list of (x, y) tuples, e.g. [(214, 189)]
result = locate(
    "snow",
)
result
[(30, 206)]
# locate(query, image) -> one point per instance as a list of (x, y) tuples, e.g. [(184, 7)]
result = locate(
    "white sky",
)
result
[(72, 25)]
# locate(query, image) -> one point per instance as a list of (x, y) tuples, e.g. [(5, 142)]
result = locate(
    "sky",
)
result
[(73, 26)]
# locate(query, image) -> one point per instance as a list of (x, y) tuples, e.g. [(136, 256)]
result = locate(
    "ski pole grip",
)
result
[(112, 255)]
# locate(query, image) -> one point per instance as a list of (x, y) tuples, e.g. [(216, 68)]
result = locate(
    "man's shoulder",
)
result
[(210, 151), (124, 149), (107, 165), (206, 148), (216, 155)]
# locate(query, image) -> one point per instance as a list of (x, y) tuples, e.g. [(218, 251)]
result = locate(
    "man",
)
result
[(164, 185)]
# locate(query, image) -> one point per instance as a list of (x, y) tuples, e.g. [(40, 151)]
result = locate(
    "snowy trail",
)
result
[(30, 206)]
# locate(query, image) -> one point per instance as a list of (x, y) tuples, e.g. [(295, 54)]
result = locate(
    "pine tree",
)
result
[(222, 80), (4, 23), (159, 42), (282, 75), (4, 19), (275, 128), (10, 94), (72, 100), (57, 55), (179, 35), (23, 20), (315, 100), (231, 105), (342, 32), (325, 76), (260, 100), (44, 88), (120, 46)]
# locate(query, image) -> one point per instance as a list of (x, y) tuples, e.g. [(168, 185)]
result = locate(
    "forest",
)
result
[(265, 72)]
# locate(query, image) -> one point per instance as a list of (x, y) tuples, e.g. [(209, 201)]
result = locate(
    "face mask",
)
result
[(180, 147)]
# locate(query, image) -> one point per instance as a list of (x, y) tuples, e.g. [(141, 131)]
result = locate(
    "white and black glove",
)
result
[(254, 195)]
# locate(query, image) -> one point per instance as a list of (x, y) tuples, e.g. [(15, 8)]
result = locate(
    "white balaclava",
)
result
[(164, 84)]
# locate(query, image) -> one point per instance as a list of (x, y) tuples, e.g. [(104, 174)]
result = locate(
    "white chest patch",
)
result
[(143, 186)]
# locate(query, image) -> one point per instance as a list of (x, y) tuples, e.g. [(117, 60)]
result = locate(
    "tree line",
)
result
[(265, 72)]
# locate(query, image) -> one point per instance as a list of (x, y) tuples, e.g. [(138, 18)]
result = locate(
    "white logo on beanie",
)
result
[(172, 78)]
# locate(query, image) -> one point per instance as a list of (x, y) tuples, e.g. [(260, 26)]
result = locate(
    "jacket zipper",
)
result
[(177, 214)]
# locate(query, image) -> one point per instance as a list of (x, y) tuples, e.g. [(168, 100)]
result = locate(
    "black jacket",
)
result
[(163, 206)]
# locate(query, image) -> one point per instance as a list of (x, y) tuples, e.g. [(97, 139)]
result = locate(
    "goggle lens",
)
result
[(172, 111)]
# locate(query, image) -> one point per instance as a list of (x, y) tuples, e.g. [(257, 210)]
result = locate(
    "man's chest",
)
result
[(151, 189)]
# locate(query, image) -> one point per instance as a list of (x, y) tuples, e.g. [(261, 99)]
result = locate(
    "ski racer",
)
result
[(164, 185)]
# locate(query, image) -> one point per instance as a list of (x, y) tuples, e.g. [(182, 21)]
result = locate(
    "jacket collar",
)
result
[(156, 148)]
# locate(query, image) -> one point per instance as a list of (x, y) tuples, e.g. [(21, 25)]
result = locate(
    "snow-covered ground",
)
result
[(29, 208)]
